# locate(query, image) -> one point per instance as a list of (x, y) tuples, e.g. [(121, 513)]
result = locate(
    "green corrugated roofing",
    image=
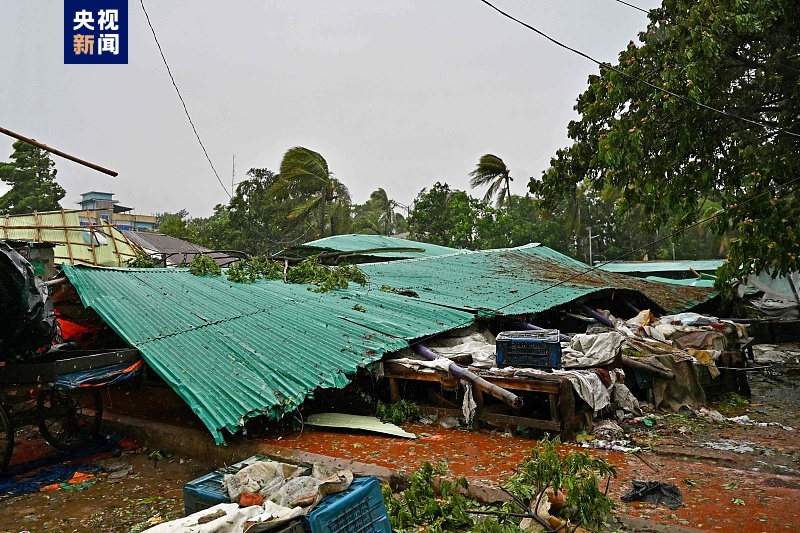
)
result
[(500, 279), (693, 282), (356, 242), (233, 351), (644, 267)]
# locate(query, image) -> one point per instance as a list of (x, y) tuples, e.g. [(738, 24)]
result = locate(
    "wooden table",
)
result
[(561, 397)]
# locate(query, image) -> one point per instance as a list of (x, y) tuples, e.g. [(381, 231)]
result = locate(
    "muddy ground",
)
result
[(733, 477)]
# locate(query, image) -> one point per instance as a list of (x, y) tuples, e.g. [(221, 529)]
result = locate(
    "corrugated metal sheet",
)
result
[(355, 242), (356, 422), (102, 244), (693, 282), (233, 351), (178, 251), (518, 281), (646, 267)]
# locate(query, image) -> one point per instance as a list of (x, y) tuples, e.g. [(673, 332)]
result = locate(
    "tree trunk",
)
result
[(322, 210)]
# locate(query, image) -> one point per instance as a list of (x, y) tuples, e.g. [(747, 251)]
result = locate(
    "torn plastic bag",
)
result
[(27, 319), (657, 492)]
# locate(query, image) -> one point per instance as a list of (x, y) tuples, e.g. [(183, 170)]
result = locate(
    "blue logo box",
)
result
[(95, 32)]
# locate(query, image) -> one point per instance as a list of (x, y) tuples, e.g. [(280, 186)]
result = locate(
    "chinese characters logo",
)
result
[(95, 31)]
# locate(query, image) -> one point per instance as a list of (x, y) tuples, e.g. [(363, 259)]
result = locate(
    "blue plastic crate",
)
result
[(204, 492), (533, 349), (207, 491), (359, 509)]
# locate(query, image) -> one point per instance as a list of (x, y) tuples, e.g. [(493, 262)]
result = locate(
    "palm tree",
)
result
[(306, 178), (380, 200), (493, 171)]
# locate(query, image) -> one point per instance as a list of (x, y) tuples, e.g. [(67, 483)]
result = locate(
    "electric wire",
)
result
[(611, 67), (185, 109), (708, 32)]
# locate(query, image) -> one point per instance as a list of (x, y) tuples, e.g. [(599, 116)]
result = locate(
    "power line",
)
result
[(181, 98), (708, 33), (608, 66)]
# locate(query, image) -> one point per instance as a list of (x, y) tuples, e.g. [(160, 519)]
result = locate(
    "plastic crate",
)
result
[(207, 491), (359, 509), (535, 349), (204, 492), (638, 379)]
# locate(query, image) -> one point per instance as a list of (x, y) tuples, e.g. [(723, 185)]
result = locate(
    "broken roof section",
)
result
[(233, 351), (516, 281), (367, 248), (90, 244), (176, 251)]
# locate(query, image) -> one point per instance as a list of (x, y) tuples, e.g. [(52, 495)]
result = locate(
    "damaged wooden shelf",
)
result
[(559, 391)]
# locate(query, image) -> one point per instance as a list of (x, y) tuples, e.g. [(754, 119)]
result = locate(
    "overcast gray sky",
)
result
[(393, 94)]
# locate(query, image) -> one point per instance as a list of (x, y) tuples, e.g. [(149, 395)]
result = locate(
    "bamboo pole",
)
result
[(58, 152)]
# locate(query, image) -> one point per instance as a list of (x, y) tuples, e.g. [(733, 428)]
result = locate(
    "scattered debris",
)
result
[(657, 492)]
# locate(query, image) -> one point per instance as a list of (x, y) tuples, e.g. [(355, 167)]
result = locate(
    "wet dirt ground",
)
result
[(733, 477), (143, 492)]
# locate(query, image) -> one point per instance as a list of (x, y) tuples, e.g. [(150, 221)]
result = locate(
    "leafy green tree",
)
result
[(669, 157), (176, 225), (376, 216), (259, 216), (521, 222), (446, 217), (492, 171), (32, 176), (306, 180)]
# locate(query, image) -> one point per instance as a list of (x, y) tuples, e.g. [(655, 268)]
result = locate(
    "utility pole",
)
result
[(233, 173), (590, 246)]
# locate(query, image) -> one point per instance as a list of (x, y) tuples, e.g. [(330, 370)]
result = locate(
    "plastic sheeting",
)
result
[(27, 319), (100, 377)]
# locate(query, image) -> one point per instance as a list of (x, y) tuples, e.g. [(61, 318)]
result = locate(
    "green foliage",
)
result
[(255, 268), (492, 171), (576, 474), (420, 504), (668, 157), (397, 412), (306, 179), (142, 260), (177, 225), (731, 404), (323, 278), (202, 265), (376, 216), (32, 177)]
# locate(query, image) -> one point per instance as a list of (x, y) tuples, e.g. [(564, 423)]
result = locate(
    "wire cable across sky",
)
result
[(611, 67), (181, 98)]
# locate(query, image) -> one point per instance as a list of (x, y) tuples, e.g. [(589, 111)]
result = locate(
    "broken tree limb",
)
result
[(462, 373), (644, 367)]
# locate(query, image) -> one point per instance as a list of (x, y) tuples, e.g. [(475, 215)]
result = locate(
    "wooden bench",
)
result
[(561, 397)]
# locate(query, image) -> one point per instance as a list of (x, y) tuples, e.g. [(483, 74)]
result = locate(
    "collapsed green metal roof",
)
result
[(515, 281), (233, 351)]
